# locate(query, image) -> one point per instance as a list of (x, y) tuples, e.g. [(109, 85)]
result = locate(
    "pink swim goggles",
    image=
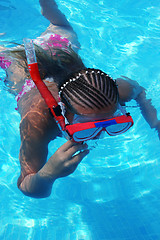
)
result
[(78, 132)]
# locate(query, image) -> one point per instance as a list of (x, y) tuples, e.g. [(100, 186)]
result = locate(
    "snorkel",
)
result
[(44, 91)]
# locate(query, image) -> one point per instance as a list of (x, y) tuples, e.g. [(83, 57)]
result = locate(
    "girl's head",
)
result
[(90, 92)]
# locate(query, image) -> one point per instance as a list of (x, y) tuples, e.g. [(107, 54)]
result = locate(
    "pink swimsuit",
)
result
[(47, 42)]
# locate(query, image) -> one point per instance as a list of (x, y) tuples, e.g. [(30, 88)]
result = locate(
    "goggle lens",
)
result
[(86, 134), (118, 128)]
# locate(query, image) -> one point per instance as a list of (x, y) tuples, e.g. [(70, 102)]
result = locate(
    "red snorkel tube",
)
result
[(45, 93)]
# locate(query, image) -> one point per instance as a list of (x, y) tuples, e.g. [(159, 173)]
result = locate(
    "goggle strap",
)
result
[(123, 110)]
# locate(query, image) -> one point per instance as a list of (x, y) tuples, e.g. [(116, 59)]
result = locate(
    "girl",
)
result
[(88, 94)]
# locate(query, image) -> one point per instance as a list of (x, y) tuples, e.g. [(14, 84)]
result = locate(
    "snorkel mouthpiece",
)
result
[(30, 51), (44, 91)]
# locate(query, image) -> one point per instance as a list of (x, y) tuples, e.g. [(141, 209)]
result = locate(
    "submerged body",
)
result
[(37, 126)]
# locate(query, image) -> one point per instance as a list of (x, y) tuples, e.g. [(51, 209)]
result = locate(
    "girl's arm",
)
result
[(38, 174), (128, 90), (148, 111)]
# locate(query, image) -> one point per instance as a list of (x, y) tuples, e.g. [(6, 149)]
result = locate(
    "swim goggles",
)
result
[(78, 132)]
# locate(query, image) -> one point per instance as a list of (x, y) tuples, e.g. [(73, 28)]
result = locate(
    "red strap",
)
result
[(45, 93)]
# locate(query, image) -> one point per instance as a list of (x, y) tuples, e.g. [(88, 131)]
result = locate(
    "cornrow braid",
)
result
[(89, 88)]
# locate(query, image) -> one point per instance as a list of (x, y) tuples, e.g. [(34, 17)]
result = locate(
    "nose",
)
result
[(100, 135)]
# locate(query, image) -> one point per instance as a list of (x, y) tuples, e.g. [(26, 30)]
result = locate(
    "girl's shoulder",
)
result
[(128, 89)]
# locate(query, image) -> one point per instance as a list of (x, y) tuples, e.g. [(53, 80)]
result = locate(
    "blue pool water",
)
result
[(115, 192)]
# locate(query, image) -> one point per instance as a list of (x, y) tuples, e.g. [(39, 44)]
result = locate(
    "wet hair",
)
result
[(89, 88)]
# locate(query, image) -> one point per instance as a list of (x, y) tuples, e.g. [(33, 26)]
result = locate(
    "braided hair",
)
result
[(90, 89)]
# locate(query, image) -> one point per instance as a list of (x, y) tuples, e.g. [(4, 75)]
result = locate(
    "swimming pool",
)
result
[(115, 195)]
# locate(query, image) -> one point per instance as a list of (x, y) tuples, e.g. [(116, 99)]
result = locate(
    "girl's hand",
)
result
[(65, 160)]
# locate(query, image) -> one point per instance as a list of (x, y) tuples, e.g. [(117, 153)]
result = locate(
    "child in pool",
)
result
[(93, 94)]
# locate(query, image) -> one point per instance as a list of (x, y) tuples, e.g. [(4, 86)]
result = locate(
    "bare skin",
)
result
[(38, 128)]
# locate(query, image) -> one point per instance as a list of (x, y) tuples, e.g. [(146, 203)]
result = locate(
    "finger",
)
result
[(67, 145), (76, 159), (79, 147)]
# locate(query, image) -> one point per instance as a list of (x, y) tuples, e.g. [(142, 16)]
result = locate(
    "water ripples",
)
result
[(121, 173)]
